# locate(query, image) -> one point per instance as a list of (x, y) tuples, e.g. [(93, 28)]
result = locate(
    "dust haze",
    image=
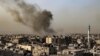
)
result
[(60, 15), (29, 15)]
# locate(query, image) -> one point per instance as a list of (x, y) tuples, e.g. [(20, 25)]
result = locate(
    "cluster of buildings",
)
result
[(50, 45), (61, 45)]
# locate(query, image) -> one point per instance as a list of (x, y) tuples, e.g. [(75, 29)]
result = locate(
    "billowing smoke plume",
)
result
[(29, 14)]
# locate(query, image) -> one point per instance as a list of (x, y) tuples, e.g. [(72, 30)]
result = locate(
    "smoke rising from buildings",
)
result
[(69, 16), (29, 15)]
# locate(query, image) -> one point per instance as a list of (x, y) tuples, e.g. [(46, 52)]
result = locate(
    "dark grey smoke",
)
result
[(29, 14)]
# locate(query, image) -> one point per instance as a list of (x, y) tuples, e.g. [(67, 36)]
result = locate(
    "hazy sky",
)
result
[(69, 16)]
